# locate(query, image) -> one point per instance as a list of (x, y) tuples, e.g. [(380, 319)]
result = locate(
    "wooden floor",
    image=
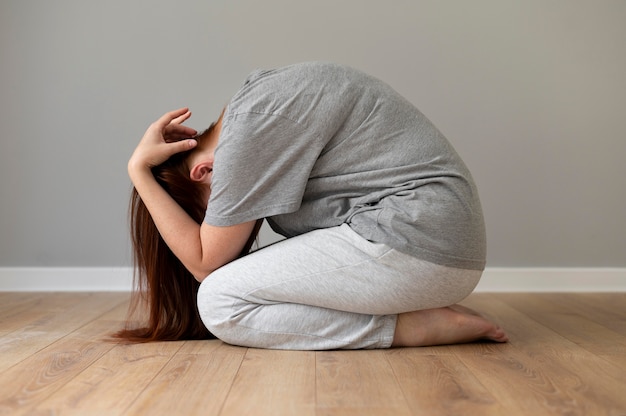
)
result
[(567, 356)]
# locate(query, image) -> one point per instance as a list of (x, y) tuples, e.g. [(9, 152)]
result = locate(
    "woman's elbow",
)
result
[(200, 273), (199, 277)]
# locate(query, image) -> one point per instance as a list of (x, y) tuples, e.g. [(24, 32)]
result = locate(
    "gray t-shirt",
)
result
[(315, 145)]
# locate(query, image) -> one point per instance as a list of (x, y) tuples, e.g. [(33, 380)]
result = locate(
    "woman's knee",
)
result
[(215, 305)]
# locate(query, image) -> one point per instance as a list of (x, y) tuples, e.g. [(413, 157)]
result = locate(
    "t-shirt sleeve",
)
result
[(261, 168)]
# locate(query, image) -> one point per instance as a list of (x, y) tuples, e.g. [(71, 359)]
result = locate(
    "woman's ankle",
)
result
[(442, 326)]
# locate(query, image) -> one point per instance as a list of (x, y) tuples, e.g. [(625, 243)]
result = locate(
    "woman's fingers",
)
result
[(164, 138), (169, 117), (180, 119), (175, 132), (180, 146)]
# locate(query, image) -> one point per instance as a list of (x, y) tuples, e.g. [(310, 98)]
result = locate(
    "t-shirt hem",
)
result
[(428, 255), (228, 220), (441, 259)]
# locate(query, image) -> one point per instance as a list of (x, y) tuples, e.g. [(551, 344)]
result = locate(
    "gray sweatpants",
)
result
[(326, 289)]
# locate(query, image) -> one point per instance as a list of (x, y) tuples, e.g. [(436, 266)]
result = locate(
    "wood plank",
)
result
[(272, 382), (40, 375), (22, 309), (541, 372), (13, 303), (566, 356), (57, 315), (607, 309), (197, 380), (440, 384), (112, 383), (9, 299), (357, 382), (570, 324)]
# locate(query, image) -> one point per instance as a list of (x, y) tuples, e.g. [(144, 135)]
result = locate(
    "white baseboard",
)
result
[(495, 279), (72, 279), (504, 279)]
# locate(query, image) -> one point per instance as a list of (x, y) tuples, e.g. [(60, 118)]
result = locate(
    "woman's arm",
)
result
[(201, 248)]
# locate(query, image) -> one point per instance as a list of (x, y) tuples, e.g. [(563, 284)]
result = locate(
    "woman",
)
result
[(384, 228)]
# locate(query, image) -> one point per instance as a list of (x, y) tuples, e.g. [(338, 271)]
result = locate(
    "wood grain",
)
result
[(48, 320), (544, 366), (438, 384), (273, 382), (197, 380), (361, 382), (567, 355)]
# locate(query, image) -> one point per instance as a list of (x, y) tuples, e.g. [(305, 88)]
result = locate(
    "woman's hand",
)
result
[(164, 138)]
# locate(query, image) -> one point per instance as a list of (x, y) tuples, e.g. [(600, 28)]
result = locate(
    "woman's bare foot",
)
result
[(454, 324)]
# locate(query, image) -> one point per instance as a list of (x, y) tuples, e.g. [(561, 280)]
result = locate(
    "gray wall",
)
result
[(532, 93)]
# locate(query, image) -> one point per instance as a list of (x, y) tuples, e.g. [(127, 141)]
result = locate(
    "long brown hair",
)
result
[(163, 304)]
